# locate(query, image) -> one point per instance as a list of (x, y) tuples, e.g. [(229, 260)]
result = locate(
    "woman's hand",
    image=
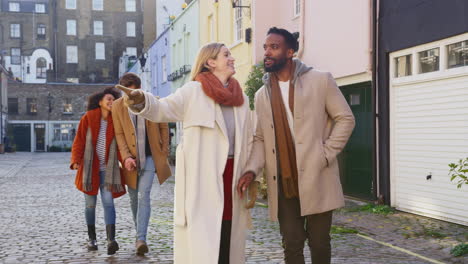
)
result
[(244, 182), (132, 97), (130, 164), (75, 166)]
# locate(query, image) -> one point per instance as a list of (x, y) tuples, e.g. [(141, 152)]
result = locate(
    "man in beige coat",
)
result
[(144, 147), (297, 141)]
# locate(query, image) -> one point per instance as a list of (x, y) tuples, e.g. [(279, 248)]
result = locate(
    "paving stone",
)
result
[(42, 221)]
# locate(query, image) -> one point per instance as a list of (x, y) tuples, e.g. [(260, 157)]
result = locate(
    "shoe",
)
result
[(112, 245), (92, 243), (141, 247)]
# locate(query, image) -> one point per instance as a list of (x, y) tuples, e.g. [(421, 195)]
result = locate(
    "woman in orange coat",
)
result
[(95, 156)]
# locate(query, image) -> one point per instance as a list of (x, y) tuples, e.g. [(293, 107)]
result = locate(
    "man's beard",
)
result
[(276, 66)]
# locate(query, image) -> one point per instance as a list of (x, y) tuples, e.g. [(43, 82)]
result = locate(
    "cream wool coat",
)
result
[(201, 157), (323, 123)]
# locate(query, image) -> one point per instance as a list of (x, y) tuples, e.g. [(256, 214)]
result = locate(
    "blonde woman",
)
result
[(210, 216)]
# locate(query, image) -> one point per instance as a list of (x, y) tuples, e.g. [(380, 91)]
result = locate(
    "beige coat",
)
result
[(158, 136), (323, 123), (201, 157)]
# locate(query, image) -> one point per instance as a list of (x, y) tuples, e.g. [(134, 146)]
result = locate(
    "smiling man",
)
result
[(303, 123)]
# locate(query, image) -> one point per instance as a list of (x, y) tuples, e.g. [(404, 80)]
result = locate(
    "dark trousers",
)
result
[(224, 248), (295, 229)]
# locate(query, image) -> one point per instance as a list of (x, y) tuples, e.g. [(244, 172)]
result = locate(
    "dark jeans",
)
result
[(295, 229), (224, 248)]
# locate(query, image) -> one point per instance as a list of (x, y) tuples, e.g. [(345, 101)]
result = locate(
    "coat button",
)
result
[(271, 125), (274, 178), (273, 150), (133, 145)]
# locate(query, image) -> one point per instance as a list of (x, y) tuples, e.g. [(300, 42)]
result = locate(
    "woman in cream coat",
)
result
[(217, 132)]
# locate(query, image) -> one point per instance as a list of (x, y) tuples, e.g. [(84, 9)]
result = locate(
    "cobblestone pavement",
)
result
[(42, 221)]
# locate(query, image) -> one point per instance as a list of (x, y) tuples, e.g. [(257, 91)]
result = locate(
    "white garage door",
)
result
[(428, 130)]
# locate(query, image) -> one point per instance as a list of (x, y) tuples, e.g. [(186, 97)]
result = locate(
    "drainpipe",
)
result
[(377, 192), (300, 52)]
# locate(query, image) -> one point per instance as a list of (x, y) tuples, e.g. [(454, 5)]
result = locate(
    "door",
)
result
[(20, 136), (39, 135), (356, 158)]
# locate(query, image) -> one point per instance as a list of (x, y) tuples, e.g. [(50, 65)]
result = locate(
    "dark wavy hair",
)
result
[(289, 38), (93, 100)]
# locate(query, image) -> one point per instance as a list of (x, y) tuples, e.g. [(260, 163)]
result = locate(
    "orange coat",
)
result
[(92, 119)]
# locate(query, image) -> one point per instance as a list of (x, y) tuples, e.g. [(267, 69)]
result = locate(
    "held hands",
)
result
[(75, 166), (130, 164), (132, 97)]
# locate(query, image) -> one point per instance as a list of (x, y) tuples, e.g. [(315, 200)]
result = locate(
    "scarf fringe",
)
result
[(114, 188)]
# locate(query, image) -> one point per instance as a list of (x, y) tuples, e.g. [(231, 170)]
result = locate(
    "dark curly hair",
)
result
[(93, 100), (289, 38)]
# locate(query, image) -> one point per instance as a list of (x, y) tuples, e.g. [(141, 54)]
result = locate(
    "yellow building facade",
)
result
[(229, 22)]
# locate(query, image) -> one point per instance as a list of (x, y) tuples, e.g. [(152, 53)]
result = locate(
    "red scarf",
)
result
[(213, 88)]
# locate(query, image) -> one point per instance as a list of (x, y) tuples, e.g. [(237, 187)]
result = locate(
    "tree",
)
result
[(253, 83)]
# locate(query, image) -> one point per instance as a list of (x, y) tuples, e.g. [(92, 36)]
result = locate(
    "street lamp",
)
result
[(49, 101)]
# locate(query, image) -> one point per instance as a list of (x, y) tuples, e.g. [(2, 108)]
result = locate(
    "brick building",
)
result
[(69, 40), (42, 116)]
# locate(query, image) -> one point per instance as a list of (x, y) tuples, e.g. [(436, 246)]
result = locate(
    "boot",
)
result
[(92, 243), (112, 245)]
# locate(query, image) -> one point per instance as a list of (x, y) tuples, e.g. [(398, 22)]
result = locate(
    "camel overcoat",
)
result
[(158, 136), (200, 161), (323, 123)]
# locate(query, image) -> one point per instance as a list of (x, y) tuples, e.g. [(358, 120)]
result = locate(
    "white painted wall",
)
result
[(31, 61), (429, 130)]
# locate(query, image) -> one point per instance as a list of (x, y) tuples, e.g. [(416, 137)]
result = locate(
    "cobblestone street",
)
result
[(42, 221)]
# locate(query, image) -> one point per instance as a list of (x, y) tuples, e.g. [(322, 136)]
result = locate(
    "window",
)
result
[(31, 106), (297, 7), (40, 8), (131, 51), (100, 51), (71, 27), (238, 22), (457, 54), (403, 66), (12, 105), (72, 54), (41, 68), (64, 132), (14, 7), (67, 106), (41, 31), (164, 69), (429, 60), (130, 5), (15, 30), (98, 27), (15, 56), (70, 4), (131, 29), (98, 5)]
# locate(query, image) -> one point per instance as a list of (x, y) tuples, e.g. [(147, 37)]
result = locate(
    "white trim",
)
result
[(235, 44), (355, 78)]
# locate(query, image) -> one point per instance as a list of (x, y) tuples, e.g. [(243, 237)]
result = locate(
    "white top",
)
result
[(284, 87), (101, 145)]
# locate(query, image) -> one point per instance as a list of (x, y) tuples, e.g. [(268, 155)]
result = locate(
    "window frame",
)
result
[(16, 56), (12, 30), (101, 55), (41, 72), (68, 50), (41, 11), (14, 3), (96, 22), (70, 4), (96, 7), (133, 28), (130, 8), (16, 104), (31, 106), (238, 22), (39, 28), (71, 29)]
